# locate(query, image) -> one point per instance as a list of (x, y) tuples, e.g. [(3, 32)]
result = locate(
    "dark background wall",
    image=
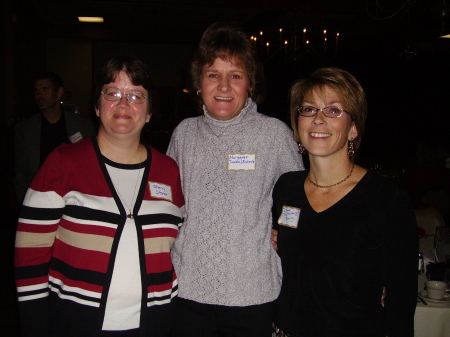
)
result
[(391, 46)]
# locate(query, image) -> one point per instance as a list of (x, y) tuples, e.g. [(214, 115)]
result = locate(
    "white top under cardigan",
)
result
[(123, 305), (223, 253)]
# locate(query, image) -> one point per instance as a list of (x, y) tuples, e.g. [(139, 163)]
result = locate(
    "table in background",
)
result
[(432, 320), (426, 246)]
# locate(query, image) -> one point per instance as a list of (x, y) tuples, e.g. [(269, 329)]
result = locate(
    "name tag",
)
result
[(76, 137), (160, 191), (241, 161), (289, 216)]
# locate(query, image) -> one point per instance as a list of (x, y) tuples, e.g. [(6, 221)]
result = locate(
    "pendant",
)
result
[(130, 216)]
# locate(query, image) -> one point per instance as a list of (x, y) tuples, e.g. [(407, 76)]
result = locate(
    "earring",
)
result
[(250, 93), (301, 148), (351, 149), (198, 92)]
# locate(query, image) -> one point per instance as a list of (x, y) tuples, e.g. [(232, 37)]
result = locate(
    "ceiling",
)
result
[(183, 21)]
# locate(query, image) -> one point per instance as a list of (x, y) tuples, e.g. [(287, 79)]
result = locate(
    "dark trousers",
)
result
[(193, 319)]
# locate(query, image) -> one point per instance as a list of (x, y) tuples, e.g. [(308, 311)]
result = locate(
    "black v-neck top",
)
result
[(336, 262)]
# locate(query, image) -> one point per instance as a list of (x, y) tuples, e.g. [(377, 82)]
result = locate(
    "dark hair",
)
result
[(52, 77), (346, 87), (228, 41), (136, 70)]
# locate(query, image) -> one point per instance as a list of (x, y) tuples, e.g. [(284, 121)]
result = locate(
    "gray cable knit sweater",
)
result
[(228, 169)]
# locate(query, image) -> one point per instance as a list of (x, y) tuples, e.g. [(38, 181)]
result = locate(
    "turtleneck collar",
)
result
[(249, 106)]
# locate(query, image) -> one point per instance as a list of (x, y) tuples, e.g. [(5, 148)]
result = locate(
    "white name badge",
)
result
[(289, 216), (241, 161), (76, 137), (160, 191)]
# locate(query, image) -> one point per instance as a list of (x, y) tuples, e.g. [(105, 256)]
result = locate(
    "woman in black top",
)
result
[(346, 235)]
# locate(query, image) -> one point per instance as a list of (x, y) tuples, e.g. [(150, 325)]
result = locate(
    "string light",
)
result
[(294, 47)]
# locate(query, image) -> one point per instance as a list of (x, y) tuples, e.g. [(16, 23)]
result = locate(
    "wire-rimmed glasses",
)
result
[(134, 97), (329, 111)]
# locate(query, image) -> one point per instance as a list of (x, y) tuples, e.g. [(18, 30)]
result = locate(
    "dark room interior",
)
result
[(394, 48)]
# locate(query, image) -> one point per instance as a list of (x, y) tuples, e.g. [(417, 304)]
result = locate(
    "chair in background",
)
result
[(428, 219), (437, 198)]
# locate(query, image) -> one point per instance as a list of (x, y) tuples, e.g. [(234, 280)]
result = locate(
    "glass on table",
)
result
[(447, 269), (442, 235)]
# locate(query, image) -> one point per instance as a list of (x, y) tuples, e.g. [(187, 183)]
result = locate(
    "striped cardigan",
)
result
[(67, 237)]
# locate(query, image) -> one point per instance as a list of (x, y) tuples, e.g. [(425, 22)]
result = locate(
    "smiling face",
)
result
[(324, 136), (224, 88), (122, 118)]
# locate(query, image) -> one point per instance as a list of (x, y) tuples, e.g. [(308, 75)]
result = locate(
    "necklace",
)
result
[(215, 134), (130, 215), (320, 186)]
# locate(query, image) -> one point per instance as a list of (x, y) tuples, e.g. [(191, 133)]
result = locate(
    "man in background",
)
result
[(38, 135)]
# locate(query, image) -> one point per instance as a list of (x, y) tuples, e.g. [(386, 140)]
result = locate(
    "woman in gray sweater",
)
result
[(230, 157)]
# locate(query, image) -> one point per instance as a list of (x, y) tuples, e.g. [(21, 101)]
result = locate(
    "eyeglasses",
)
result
[(329, 111), (135, 97)]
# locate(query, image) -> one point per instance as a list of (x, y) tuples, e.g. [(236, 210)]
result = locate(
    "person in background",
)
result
[(229, 159), (346, 235), (98, 222), (38, 135)]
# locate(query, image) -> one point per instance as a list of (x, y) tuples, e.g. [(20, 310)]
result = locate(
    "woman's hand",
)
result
[(383, 296), (274, 239)]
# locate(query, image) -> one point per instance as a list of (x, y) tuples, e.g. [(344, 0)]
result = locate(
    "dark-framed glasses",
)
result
[(135, 97), (329, 111)]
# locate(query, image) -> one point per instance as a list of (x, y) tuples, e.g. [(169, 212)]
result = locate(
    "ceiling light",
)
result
[(90, 19)]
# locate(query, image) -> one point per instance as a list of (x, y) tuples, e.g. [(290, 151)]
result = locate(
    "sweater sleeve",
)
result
[(36, 230), (400, 254), (172, 149), (288, 156)]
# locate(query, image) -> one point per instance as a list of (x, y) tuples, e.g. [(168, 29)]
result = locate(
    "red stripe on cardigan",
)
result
[(81, 258), (32, 256), (158, 263)]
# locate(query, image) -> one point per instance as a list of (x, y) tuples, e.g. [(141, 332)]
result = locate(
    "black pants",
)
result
[(193, 319)]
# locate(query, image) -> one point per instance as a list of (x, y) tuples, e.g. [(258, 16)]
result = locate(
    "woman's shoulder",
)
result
[(382, 187), (71, 160), (186, 127), (74, 156), (383, 182), (188, 122), (270, 122), (291, 178), (83, 147)]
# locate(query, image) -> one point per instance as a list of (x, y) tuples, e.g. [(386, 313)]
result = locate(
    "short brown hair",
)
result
[(228, 41), (136, 70), (346, 87), (52, 77)]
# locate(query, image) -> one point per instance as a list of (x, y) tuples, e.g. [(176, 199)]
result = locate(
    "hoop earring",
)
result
[(198, 92), (301, 148), (351, 148)]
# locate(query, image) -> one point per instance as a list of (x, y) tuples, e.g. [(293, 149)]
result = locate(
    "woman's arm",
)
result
[(400, 253), (36, 230)]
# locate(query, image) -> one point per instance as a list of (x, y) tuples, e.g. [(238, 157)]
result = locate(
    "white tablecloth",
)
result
[(432, 320)]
